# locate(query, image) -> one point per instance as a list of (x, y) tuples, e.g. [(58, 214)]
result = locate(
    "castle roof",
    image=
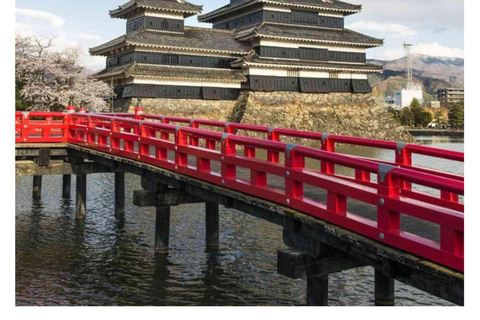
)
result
[(328, 5), (172, 73), (192, 39), (254, 60), (307, 33), (181, 6)]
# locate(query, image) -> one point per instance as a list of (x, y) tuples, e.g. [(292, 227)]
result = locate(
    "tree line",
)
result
[(416, 116)]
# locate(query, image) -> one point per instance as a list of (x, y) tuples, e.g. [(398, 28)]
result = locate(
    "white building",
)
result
[(403, 98)]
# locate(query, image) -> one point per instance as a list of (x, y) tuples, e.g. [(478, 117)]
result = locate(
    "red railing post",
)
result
[(181, 139), (71, 106), (228, 171), (194, 141), (403, 158), (327, 145), (388, 187), (337, 203), (25, 126), (114, 141), (257, 177), (144, 132), (83, 107), (139, 111), (228, 128), (293, 161), (273, 156)]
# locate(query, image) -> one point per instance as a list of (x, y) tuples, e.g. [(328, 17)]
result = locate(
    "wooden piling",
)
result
[(384, 289), (162, 229), (37, 187), (81, 196), (317, 290), (66, 185), (119, 193), (212, 224)]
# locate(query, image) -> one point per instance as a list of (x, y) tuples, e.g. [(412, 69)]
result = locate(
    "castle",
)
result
[(255, 45)]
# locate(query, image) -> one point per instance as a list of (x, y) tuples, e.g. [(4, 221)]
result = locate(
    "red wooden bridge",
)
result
[(213, 151)]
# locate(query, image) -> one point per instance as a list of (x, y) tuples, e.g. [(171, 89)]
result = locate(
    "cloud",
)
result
[(437, 50), (430, 49), (52, 19), (391, 29)]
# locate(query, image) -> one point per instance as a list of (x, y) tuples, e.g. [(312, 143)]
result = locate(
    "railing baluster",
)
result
[(181, 139), (293, 162), (337, 203), (327, 145), (388, 186), (229, 172), (273, 156)]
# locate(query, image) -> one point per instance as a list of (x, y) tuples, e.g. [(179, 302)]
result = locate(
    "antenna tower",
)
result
[(408, 54)]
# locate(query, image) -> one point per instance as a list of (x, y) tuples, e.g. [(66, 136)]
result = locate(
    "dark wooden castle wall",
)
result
[(169, 59), (296, 17), (311, 54), (307, 85), (176, 92), (155, 23)]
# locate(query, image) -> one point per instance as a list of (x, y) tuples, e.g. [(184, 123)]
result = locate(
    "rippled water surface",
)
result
[(110, 261)]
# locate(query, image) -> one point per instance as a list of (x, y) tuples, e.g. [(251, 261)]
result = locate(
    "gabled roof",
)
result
[(181, 6), (254, 60), (329, 5), (306, 33), (172, 72), (192, 39)]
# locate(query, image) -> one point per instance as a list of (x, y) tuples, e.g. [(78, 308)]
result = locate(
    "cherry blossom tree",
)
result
[(45, 79)]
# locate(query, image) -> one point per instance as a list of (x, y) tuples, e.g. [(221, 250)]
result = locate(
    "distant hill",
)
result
[(432, 72)]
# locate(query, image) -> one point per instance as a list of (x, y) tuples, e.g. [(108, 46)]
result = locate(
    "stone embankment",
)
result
[(355, 115)]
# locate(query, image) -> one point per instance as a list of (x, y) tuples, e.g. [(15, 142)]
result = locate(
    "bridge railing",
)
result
[(45, 127), (214, 157), (402, 153)]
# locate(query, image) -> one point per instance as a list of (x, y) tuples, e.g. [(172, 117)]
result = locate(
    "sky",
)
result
[(434, 27)]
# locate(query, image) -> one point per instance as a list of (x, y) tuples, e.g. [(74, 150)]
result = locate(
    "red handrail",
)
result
[(391, 193)]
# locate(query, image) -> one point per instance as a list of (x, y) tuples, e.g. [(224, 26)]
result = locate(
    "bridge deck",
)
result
[(397, 264), (271, 179)]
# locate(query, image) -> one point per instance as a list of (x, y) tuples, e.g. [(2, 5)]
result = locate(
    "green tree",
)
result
[(407, 117), (417, 111), (425, 118), (456, 116)]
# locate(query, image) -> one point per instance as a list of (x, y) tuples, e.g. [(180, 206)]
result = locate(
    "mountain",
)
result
[(433, 73)]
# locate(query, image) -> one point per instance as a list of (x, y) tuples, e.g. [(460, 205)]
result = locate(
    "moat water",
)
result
[(108, 261)]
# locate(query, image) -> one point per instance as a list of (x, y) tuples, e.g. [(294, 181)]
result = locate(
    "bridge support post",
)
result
[(162, 229), (384, 289), (317, 290), (212, 224), (66, 185), (37, 187), (119, 193), (309, 258), (81, 196)]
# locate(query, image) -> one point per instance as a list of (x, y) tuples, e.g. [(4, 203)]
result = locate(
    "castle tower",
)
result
[(160, 57), (299, 45), (258, 45)]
